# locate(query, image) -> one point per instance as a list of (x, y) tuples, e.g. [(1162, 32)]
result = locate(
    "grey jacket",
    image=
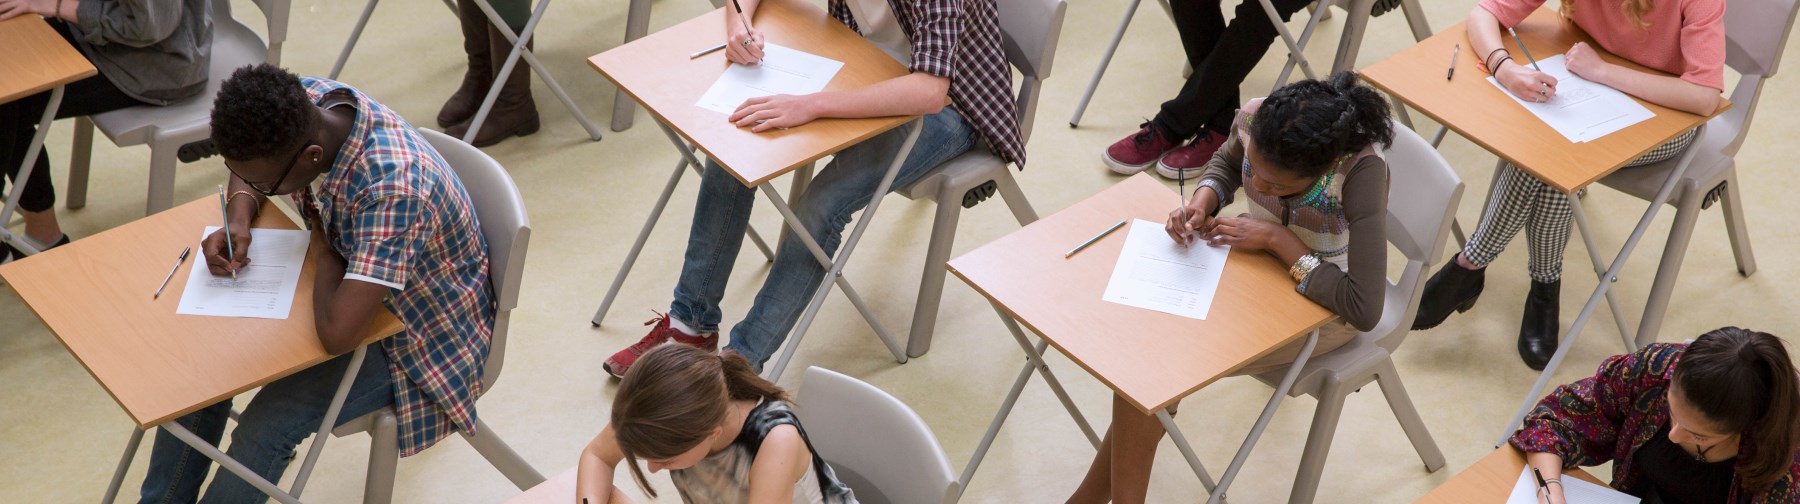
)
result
[(157, 51)]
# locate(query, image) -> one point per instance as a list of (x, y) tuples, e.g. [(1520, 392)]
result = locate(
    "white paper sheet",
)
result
[(783, 70), (1155, 273), (263, 289), (1581, 110), (1574, 491)]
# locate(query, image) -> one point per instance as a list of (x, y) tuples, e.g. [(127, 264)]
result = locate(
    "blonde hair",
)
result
[(1634, 10)]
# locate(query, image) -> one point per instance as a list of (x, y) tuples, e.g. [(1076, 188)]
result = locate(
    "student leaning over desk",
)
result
[(1682, 37), (399, 232), (953, 50), (1713, 421)]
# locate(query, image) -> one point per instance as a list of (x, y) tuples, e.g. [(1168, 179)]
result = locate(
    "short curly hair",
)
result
[(262, 110)]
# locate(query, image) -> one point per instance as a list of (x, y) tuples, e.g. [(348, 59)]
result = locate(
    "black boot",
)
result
[(480, 74), (1452, 288), (514, 112), (1537, 332)]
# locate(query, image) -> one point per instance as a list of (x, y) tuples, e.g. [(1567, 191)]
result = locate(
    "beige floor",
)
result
[(63, 433)]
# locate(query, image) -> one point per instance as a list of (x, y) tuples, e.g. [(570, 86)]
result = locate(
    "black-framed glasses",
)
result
[(270, 191)]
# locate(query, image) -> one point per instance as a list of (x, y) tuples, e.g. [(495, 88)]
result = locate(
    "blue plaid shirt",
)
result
[(400, 217)]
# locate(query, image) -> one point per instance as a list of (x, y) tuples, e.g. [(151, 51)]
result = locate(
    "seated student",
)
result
[(724, 433), (147, 53), (1713, 421), (1305, 157), (952, 47), (1221, 56), (399, 231), (1682, 37)]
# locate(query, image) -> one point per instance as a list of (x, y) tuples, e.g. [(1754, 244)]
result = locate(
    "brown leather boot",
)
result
[(480, 75), (514, 112)]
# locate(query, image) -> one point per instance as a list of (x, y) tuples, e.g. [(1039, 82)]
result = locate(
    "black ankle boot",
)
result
[(1538, 329), (1452, 288)]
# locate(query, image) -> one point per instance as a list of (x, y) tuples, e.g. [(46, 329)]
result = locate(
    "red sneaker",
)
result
[(661, 333), (1136, 152), (1185, 162)]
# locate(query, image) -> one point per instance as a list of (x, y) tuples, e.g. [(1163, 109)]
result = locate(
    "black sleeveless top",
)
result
[(1672, 476)]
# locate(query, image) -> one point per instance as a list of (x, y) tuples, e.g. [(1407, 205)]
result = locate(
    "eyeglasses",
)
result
[(270, 190)]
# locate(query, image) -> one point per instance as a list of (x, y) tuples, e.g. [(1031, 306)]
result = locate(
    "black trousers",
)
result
[(19, 122), (1222, 55)]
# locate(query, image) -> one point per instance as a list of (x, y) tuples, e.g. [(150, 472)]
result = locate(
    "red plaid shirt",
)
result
[(960, 40)]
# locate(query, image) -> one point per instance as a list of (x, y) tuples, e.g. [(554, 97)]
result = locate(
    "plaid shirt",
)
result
[(392, 207), (960, 40)]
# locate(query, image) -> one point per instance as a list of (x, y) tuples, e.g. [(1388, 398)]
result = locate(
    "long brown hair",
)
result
[(1744, 382), (1634, 10), (674, 396)]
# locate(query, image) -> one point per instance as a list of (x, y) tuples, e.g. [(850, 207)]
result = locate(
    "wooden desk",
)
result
[(1490, 480), (656, 71), (1485, 115), (94, 294), (36, 59), (557, 490), (1152, 359)]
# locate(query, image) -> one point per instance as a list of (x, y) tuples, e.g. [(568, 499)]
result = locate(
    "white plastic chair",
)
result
[(1423, 193), (501, 211), (166, 129), (1756, 31), (1030, 29), (874, 443)]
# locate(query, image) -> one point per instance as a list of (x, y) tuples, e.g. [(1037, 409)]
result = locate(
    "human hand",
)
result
[(741, 46), (14, 8), (1583, 61), (1244, 232), (1195, 219), (213, 249), (1527, 84), (764, 113)]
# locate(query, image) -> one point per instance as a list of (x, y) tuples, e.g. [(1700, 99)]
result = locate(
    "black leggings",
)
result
[(19, 122), (1221, 56)]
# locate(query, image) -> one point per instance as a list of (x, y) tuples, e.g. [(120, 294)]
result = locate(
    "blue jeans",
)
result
[(282, 414), (839, 190)]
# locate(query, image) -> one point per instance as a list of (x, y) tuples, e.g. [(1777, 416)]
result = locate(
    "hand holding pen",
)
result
[(744, 43)]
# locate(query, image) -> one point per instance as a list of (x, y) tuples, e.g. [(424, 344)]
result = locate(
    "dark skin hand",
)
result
[(342, 309), (1194, 220)]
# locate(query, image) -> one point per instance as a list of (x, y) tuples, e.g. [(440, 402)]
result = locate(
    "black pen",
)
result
[(1543, 486), (165, 283), (1452, 71), (740, 11)]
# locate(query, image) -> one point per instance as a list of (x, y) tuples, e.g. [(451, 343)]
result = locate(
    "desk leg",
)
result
[(662, 201), (331, 414), (1262, 422), (229, 464), (18, 184), (1033, 359), (1294, 51), (1587, 310), (118, 477), (835, 267), (1187, 451), (350, 45), (518, 51), (1593, 250), (1105, 60)]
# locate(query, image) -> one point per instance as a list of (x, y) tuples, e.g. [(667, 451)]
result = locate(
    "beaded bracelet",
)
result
[(1303, 267)]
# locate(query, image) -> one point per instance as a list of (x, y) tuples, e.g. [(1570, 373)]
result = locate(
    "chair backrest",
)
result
[(275, 14), (1423, 193), (1029, 31), (1756, 31), (504, 225), (874, 442)]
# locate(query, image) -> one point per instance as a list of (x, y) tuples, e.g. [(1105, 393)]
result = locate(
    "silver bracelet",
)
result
[(1303, 267)]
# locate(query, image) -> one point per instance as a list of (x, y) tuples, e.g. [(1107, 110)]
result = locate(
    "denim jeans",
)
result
[(282, 414), (839, 190)]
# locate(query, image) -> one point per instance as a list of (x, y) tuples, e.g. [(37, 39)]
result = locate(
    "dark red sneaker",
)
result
[(619, 362), (708, 342), (1136, 152), (1185, 162)]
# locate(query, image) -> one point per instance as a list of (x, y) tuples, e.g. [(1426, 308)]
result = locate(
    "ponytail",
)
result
[(1744, 382), (1307, 126), (674, 396)]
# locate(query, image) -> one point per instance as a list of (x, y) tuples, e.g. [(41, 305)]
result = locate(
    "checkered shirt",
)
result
[(400, 217), (960, 40)]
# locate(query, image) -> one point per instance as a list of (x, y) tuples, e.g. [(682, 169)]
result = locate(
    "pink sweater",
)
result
[(1685, 37)]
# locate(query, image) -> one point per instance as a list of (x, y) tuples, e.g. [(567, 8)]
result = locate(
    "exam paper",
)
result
[(263, 289), (1155, 273), (1581, 110), (1574, 490), (783, 70)]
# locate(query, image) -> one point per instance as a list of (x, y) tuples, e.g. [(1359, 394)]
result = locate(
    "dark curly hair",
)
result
[(261, 111), (1307, 125)]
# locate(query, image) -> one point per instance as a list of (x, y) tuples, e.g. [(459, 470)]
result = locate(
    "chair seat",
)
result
[(1707, 170), (234, 45), (959, 174), (1354, 358)]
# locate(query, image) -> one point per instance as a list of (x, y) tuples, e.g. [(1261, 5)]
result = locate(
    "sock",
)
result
[(678, 325)]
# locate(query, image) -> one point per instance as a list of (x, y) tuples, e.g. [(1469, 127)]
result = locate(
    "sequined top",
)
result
[(1343, 219)]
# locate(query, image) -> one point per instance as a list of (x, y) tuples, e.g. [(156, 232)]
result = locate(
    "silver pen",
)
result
[(1115, 227), (707, 51), (165, 282)]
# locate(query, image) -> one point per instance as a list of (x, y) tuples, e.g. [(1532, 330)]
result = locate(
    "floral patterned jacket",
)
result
[(1608, 416)]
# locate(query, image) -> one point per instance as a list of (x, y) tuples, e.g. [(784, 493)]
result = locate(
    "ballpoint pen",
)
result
[(1452, 71), (178, 260), (1115, 227), (745, 20), (707, 51), (230, 250)]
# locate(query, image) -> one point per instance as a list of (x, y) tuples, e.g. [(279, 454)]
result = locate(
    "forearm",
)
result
[(1550, 464), (1484, 35), (326, 280), (732, 22), (1662, 90), (65, 10), (593, 481), (245, 203), (916, 93), (1288, 247)]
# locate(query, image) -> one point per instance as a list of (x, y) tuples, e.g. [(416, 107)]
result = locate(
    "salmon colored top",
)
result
[(1684, 37)]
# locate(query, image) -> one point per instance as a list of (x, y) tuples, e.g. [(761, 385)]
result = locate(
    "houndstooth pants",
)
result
[(1519, 200)]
